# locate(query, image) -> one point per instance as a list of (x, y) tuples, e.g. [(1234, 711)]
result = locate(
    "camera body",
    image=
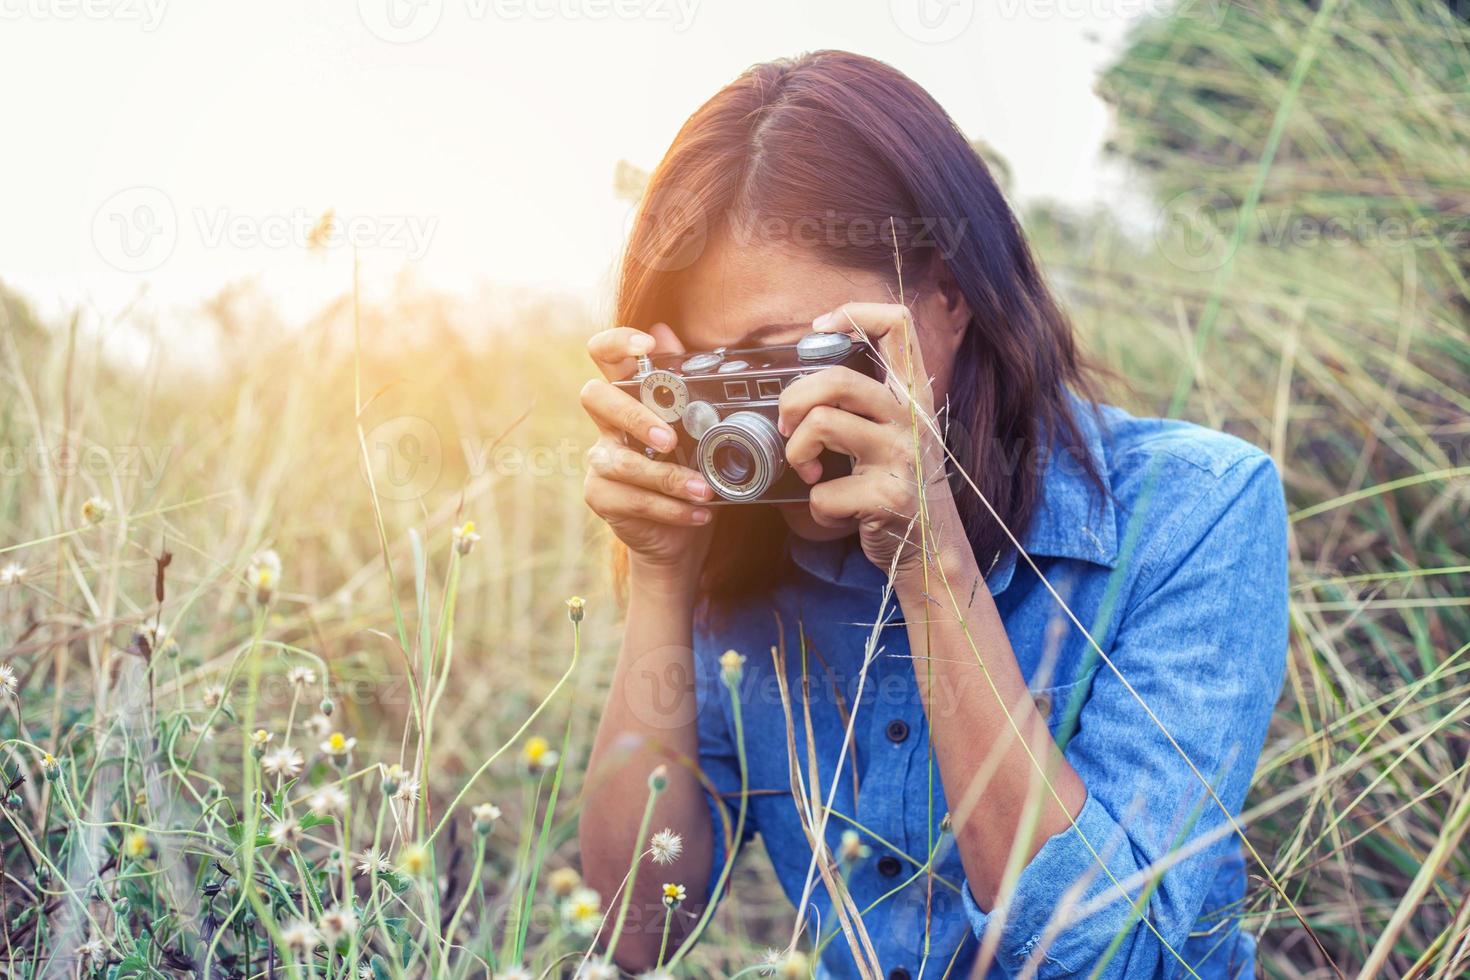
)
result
[(722, 404)]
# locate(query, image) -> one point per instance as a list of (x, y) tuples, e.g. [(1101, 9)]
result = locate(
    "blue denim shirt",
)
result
[(1180, 573)]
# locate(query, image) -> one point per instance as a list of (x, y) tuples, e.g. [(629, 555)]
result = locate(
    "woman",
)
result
[(1034, 756)]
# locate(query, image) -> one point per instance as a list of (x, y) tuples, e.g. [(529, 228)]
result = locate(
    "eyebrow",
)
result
[(766, 330)]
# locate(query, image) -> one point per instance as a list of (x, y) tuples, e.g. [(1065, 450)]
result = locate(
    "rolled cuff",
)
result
[(1061, 879)]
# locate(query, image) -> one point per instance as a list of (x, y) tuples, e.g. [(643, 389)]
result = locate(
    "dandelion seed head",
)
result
[(372, 861), (665, 846)]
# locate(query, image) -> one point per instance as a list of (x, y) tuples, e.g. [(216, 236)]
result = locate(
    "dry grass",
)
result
[(1346, 359)]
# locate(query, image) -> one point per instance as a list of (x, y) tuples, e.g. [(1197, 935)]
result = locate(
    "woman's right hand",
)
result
[(659, 509)]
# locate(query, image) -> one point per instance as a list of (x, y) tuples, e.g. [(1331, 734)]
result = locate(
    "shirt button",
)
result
[(888, 866), (898, 730), (1043, 705), (898, 974)]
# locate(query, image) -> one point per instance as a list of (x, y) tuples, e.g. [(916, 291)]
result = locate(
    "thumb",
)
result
[(665, 341)]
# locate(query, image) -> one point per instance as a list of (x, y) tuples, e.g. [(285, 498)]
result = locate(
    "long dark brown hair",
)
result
[(867, 164)]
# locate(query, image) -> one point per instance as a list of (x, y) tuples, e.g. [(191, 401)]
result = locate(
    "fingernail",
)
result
[(641, 345), (660, 438), (825, 322), (700, 516), (810, 472), (697, 488), (781, 426)]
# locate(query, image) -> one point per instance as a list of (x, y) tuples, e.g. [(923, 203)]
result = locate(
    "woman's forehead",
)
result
[(745, 295)]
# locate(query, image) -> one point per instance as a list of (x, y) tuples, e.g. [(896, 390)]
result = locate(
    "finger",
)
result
[(616, 411), (841, 387), (860, 497), (616, 351), (613, 501), (889, 327), (665, 340), (616, 462), (831, 428)]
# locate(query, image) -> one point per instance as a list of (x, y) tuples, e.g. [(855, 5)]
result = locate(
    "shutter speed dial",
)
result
[(665, 394)]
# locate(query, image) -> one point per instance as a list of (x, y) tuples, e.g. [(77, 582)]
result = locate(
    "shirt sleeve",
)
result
[(1203, 642), (719, 762)]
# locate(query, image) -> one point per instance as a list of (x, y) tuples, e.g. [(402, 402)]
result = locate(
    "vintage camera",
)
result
[(723, 406)]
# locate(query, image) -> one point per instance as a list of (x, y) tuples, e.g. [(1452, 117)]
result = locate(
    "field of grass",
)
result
[(370, 524)]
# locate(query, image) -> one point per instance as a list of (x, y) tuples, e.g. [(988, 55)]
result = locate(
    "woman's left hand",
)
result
[(888, 428)]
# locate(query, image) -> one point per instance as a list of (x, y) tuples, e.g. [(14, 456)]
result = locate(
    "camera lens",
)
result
[(732, 461), (741, 456)]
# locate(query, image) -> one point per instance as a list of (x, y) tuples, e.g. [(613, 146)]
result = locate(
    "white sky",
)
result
[(482, 153)]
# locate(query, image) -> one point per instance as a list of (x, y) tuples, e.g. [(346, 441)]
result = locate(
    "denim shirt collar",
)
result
[(1071, 520)]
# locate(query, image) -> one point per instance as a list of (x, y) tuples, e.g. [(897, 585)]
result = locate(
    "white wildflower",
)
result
[(284, 761), (328, 799), (665, 847), (300, 935), (337, 922)]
